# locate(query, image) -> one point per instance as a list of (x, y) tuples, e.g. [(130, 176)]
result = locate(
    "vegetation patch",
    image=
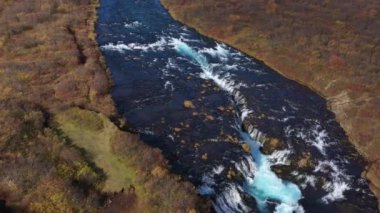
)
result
[(138, 172), (54, 156), (93, 132)]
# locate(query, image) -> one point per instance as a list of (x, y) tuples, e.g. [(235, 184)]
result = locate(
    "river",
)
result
[(158, 64)]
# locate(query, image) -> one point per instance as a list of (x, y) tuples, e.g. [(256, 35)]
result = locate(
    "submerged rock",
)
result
[(305, 161), (246, 148), (204, 156), (210, 117), (188, 104)]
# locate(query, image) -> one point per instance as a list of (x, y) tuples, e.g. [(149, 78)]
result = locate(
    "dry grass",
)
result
[(93, 132), (128, 163), (49, 63)]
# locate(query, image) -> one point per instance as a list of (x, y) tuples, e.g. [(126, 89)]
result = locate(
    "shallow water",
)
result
[(157, 64)]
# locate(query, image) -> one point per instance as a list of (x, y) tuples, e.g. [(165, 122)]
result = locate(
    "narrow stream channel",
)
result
[(157, 64)]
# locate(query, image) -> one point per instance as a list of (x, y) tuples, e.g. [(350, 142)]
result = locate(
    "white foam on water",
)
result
[(307, 180), (219, 169), (280, 157), (247, 168), (148, 132), (265, 185), (224, 83), (120, 47), (169, 86), (208, 182), (285, 208), (230, 201), (159, 45), (166, 71), (336, 189), (316, 136), (132, 25), (310, 180), (232, 67), (185, 36), (337, 180), (320, 140), (220, 51), (339, 183)]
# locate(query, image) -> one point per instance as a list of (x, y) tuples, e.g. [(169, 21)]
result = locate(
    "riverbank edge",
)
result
[(371, 172), (121, 123)]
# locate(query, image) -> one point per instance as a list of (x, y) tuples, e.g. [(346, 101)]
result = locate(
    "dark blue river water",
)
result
[(157, 64)]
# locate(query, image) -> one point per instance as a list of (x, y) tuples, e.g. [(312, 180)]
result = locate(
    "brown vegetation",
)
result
[(49, 62), (330, 46), (38, 172), (49, 56)]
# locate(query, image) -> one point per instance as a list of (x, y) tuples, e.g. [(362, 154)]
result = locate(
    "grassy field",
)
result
[(94, 132), (127, 163)]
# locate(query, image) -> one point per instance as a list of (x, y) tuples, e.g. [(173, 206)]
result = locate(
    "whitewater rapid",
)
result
[(265, 186), (156, 64)]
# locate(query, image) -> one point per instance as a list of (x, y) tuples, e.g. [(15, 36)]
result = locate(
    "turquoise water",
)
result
[(157, 63), (266, 186)]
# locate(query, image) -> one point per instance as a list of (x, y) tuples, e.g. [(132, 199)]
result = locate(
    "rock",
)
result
[(284, 172), (305, 161), (261, 116), (177, 129), (231, 174), (232, 139), (221, 109), (204, 156), (210, 117), (195, 113), (192, 211), (245, 125), (188, 104), (272, 145), (246, 148), (302, 163)]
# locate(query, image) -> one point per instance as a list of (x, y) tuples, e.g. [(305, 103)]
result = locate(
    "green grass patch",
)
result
[(93, 133)]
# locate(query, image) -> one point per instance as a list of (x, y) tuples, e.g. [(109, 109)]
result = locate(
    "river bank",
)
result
[(333, 56), (53, 82)]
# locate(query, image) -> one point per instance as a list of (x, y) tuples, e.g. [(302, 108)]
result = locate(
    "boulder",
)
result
[(188, 104)]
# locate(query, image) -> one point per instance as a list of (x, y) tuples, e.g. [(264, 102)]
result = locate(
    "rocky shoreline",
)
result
[(335, 70)]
